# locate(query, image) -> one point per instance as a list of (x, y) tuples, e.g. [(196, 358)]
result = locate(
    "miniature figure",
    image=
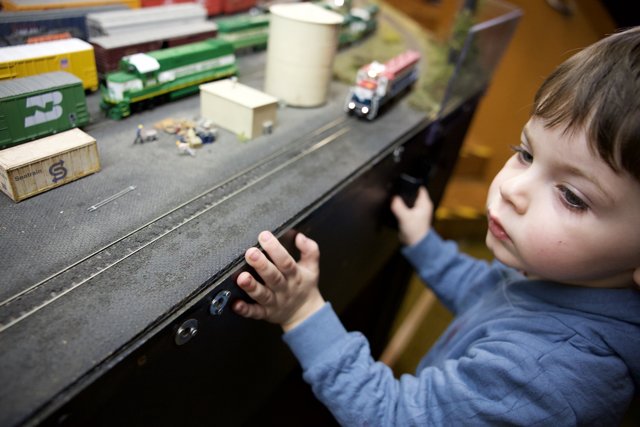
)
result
[(189, 137), (206, 133), (143, 135), (139, 135), (184, 148)]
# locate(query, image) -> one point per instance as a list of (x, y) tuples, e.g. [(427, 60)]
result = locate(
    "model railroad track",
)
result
[(39, 295)]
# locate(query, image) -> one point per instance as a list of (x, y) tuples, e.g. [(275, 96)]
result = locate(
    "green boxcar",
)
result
[(166, 73), (245, 31), (41, 105)]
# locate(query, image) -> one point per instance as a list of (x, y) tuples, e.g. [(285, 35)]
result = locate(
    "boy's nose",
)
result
[(514, 191)]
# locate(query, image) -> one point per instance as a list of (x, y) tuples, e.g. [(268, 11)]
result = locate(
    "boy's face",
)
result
[(557, 211)]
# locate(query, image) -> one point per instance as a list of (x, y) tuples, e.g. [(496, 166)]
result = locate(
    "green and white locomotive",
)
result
[(166, 74)]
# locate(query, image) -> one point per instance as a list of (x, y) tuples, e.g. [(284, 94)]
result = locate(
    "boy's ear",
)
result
[(636, 276)]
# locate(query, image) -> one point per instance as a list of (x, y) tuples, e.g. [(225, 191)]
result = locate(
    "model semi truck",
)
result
[(376, 84)]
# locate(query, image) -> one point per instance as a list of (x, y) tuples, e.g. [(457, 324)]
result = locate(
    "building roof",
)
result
[(237, 92)]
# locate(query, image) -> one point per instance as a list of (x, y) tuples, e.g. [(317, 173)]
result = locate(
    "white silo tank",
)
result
[(303, 39)]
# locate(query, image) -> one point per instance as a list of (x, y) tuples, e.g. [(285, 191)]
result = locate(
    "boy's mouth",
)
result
[(496, 229)]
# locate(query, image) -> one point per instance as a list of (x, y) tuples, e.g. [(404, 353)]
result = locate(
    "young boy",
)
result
[(549, 334)]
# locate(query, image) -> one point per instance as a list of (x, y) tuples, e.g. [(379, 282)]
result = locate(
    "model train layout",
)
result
[(140, 65)]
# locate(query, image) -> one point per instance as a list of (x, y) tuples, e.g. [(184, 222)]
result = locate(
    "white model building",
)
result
[(238, 108), (303, 39)]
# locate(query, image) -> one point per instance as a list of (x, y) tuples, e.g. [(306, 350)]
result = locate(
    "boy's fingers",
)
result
[(265, 268), (398, 206), (283, 261), (252, 311), (258, 292), (400, 210), (309, 252), (423, 196)]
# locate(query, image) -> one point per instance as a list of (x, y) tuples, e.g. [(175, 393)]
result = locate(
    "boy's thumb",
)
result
[(397, 206)]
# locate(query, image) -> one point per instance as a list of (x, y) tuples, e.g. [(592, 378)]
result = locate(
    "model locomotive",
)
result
[(165, 74)]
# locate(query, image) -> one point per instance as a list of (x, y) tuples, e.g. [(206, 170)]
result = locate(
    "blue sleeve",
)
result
[(456, 278), (497, 382)]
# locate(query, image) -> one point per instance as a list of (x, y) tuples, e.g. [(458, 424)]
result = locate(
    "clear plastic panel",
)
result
[(480, 35)]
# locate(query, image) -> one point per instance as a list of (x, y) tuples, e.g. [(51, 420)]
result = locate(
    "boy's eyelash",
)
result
[(568, 197), (523, 154), (571, 200)]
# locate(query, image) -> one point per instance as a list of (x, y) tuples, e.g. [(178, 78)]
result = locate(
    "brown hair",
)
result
[(598, 89)]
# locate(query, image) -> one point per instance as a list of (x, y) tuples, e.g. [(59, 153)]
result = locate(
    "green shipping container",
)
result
[(41, 105)]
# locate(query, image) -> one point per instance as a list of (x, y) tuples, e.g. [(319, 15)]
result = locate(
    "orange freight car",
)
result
[(31, 5)]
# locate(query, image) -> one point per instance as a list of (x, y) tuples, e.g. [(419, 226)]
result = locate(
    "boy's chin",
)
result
[(501, 254)]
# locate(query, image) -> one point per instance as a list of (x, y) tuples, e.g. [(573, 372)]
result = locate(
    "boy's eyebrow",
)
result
[(591, 178), (574, 171)]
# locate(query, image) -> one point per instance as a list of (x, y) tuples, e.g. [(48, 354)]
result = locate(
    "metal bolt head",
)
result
[(219, 302), (186, 331)]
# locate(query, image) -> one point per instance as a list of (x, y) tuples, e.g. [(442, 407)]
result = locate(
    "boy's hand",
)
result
[(415, 222), (290, 292)]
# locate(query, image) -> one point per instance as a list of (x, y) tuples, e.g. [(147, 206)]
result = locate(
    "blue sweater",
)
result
[(519, 352)]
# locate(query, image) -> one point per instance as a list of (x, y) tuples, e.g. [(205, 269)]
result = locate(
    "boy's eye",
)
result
[(571, 200), (523, 154)]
